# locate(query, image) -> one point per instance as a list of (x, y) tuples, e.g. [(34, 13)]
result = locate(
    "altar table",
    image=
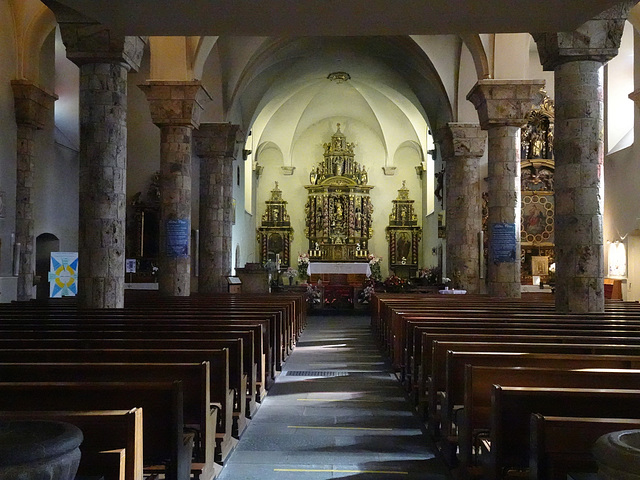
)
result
[(339, 268)]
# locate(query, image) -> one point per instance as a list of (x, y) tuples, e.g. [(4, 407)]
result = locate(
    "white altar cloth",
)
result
[(339, 267)]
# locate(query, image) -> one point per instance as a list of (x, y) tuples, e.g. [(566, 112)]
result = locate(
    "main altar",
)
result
[(338, 209)]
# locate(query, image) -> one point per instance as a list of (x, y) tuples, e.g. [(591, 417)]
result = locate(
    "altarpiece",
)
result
[(403, 235), (537, 170), (275, 234), (338, 209)]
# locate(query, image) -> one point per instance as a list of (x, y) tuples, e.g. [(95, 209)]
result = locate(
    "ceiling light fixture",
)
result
[(339, 77)]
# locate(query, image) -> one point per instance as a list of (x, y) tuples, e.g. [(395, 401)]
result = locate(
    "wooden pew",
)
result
[(142, 337), (447, 375), (457, 361), (198, 414), (473, 419), (511, 409), (434, 363), (165, 443), (220, 394), (103, 431), (562, 445), (238, 382), (203, 322)]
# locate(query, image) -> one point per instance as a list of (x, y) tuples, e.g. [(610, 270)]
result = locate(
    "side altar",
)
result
[(338, 209)]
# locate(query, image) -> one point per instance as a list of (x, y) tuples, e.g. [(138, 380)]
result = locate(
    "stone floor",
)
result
[(335, 411)]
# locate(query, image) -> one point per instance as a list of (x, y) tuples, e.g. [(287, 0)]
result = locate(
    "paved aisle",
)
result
[(355, 424)]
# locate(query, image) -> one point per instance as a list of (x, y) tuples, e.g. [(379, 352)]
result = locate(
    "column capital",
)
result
[(176, 103), (217, 140), (461, 140), (596, 40), (31, 103), (505, 103), (88, 41)]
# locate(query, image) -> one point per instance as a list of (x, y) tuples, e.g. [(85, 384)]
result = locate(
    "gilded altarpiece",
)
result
[(338, 209), (538, 201), (275, 234), (403, 235)]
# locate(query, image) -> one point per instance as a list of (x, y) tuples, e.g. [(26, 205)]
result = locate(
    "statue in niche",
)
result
[(404, 245), (339, 212)]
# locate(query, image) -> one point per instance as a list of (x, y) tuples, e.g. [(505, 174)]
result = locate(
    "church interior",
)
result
[(339, 152), (391, 95)]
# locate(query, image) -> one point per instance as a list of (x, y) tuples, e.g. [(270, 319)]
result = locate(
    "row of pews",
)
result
[(509, 387), (162, 388)]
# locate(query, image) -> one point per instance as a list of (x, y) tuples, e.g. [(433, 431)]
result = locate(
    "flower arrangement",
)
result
[(291, 272), (430, 275), (368, 288), (303, 264), (374, 264), (313, 295), (393, 283)]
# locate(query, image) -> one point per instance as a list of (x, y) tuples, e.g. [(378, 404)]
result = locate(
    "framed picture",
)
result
[(539, 265)]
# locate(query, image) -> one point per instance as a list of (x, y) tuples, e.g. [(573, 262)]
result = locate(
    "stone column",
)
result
[(104, 60), (502, 106), (577, 58), (462, 146), (32, 106), (175, 108), (216, 144)]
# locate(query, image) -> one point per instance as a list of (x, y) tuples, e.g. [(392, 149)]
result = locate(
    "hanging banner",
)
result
[(503, 243), (63, 274), (178, 236)]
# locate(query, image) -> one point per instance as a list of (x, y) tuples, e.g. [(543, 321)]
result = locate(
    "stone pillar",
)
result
[(216, 144), (175, 108), (502, 106), (462, 145), (32, 107), (104, 60), (577, 58)]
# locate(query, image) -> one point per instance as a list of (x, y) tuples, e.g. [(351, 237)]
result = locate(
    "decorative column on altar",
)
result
[(577, 58)]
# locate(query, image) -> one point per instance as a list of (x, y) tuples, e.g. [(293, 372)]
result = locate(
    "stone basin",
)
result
[(618, 455), (39, 450)]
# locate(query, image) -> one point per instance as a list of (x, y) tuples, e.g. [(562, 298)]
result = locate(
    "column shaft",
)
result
[(504, 209), (502, 107), (216, 145), (175, 210), (24, 211), (102, 186), (577, 58), (175, 107), (579, 150), (215, 224), (462, 146)]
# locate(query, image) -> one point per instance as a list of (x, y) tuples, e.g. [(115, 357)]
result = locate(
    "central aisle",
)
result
[(335, 411)]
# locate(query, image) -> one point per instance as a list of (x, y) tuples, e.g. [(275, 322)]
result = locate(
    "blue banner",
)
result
[(178, 236), (503, 243)]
